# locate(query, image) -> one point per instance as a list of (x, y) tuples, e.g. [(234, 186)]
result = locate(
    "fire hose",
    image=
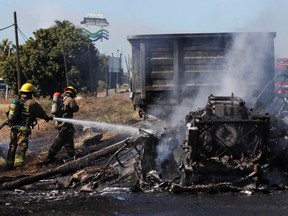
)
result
[(3, 124)]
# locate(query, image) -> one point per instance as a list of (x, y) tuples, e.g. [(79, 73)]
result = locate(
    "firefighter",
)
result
[(22, 116), (66, 130)]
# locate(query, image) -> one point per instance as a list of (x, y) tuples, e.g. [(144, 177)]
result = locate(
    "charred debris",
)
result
[(227, 147), (223, 147)]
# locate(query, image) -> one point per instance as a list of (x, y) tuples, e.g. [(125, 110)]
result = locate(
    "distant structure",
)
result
[(115, 71), (96, 20)]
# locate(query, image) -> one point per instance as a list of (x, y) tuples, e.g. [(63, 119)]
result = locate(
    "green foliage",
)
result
[(10, 72), (6, 50), (42, 60)]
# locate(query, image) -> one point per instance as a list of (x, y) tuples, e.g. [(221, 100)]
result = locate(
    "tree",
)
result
[(6, 49), (42, 59)]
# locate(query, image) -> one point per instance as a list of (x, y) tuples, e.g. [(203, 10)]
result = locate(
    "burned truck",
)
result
[(169, 70), (225, 143), (225, 127), (226, 146)]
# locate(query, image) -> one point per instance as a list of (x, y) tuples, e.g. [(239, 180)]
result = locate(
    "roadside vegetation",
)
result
[(53, 59)]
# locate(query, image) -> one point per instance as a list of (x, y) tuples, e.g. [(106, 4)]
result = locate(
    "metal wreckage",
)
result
[(223, 146), (227, 147)]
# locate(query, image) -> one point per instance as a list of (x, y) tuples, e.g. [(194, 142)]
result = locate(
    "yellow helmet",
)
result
[(71, 90), (27, 87)]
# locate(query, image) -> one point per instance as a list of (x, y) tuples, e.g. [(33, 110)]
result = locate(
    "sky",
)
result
[(136, 17)]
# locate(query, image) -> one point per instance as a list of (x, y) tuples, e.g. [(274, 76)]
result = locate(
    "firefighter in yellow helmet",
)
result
[(22, 117), (66, 130)]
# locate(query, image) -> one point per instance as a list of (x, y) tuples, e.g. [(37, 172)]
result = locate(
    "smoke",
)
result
[(243, 69), (272, 19), (247, 67), (243, 65)]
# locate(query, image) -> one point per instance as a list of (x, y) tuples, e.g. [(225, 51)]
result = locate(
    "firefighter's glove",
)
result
[(48, 118)]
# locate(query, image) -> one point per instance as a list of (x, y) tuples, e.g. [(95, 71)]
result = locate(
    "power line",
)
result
[(22, 34), (6, 27)]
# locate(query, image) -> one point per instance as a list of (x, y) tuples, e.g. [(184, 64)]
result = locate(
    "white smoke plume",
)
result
[(272, 19), (247, 66)]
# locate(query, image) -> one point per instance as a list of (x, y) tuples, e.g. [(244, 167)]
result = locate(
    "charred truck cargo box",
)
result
[(169, 68)]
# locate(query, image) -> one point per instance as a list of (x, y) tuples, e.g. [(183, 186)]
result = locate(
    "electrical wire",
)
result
[(22, 34), (6, 27)]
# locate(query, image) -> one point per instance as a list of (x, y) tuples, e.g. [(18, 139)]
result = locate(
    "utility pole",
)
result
[(61, 27), (106, 73), (19, 81), (117, 79), (90, 70), (64, 59)]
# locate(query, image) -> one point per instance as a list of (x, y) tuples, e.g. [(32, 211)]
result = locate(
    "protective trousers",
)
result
[(17, 148), (64, 138)]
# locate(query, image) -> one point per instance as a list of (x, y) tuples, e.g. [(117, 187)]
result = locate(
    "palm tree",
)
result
[(6, 49)]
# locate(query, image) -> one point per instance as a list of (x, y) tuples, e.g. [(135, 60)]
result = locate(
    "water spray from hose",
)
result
[(102, 125)]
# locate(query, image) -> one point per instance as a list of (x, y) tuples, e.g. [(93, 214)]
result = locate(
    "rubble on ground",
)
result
[(252, 160)]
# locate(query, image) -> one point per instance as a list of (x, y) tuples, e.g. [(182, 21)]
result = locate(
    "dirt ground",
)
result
[(116, 108)]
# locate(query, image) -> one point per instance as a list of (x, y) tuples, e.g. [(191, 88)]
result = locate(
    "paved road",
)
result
[(145, 204)]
